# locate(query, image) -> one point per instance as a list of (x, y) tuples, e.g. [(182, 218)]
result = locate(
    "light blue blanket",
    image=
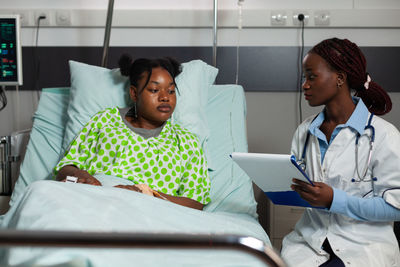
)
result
[(85, 208)]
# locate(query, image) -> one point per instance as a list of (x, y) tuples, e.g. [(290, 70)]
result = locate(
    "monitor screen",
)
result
[(10, 51)]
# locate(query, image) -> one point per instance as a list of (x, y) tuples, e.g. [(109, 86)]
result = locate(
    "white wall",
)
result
[(180, 4), (267, 132), (202, 4), (272, 119)]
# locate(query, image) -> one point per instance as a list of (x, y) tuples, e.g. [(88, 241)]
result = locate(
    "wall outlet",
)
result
[(25, 17), (63, 18), (322, 18), (278, 18), (296, 20), (43, 22)]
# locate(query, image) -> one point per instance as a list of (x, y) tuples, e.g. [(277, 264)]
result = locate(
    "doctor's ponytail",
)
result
[(343, 55)]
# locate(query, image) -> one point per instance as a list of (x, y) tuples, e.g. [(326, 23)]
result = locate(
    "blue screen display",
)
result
[(8, 50)]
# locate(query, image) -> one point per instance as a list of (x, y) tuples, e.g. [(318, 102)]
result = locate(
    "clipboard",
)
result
[(273, 173)]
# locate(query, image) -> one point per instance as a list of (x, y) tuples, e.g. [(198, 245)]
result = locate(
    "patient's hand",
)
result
[(145, 189), (141, 188), (83, 176)]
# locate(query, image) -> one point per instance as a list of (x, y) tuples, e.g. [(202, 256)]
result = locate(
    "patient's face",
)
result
[(156, 102), (320, 84)]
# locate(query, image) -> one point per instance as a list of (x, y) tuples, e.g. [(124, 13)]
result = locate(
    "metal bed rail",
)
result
[(12, 150), (5, 169), (249, 245)]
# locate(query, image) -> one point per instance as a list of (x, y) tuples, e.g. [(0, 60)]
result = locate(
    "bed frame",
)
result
[(248, 245)]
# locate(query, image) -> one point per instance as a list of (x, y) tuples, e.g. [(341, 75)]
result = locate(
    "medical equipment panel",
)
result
[(10, 51)]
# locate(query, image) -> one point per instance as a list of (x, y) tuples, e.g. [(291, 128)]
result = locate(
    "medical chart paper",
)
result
[(273, 173)]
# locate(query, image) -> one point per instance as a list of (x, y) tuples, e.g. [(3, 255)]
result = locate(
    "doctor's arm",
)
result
[(385, 206), (374, 209)]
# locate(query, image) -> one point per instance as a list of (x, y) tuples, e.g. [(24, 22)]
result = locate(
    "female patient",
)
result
[(140, 143), (358, 196)]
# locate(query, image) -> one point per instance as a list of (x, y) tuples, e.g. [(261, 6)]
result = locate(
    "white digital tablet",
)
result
[(270, 172)]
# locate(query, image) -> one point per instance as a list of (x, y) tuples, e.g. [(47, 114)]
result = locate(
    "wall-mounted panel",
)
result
[(178, 4), (272, 69), (198, 18)]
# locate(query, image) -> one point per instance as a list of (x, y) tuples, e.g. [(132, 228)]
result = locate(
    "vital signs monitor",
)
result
[(10, 51)]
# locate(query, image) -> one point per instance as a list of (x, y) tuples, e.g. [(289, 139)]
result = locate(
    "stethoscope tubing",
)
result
[(361, 178)]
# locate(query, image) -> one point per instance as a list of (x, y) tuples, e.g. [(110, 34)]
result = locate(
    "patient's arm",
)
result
[(130, 187), (83, 176), (184, 201)]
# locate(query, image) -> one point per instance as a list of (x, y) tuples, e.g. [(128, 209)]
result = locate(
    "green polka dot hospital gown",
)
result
[(172, 162)]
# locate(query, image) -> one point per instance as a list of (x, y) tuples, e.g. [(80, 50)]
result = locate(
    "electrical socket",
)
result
[(25, 17), (43, 22), (63, 18), (322, 18), (278, 18), (296, 20)]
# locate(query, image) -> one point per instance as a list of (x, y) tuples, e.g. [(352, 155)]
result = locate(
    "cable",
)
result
[(3, 97), (36, 57), (17, 108), (301, 18), (240, 23)]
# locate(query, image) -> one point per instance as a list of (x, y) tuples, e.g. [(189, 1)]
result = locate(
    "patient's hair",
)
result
[(135, 70), (343, 55)]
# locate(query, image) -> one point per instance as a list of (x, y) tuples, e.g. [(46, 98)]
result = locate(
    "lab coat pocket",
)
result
[(354, 187)]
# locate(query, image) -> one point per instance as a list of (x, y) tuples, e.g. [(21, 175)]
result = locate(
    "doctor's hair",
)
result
[(344, 55), (141, 67)]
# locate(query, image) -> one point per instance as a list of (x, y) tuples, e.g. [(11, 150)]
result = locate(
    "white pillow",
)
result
[(92, 89), (190, 112)]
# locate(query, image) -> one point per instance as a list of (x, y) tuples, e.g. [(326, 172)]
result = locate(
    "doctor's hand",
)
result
[(319, 195)]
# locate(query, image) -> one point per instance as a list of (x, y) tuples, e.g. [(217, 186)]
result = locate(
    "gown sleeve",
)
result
[(195, 183), (82, 146)]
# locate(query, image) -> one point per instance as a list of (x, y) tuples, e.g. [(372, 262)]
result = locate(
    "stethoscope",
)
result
[(361, 175)]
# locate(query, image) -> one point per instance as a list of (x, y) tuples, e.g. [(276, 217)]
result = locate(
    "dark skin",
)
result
[(155, 104), (324, 86)]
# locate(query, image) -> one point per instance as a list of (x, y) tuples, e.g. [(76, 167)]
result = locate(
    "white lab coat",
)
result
[(357, 243)]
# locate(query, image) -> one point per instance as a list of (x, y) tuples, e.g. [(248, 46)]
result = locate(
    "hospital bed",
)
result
[(67, 221)]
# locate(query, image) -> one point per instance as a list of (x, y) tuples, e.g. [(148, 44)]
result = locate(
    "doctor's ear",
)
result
[(341, 79)]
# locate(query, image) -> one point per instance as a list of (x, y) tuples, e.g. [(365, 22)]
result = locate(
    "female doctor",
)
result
[(353, 156)]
